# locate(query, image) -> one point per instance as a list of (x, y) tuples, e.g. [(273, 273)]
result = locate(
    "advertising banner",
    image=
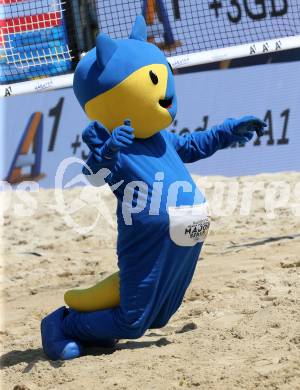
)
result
[(39, 131)]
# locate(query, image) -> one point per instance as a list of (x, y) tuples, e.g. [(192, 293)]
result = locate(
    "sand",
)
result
[(239, 324)]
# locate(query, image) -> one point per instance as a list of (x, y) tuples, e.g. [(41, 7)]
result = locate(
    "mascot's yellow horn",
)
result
[(104, 295)]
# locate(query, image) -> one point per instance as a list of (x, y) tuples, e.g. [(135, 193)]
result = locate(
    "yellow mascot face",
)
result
[(127, 79)]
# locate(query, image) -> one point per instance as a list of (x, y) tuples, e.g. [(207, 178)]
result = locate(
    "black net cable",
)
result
[(42, 38)]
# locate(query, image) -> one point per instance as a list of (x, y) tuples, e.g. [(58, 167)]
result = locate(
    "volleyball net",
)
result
[(41, 41)]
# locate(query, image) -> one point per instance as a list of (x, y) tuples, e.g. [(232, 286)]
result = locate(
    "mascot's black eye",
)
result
[(153, 77), (172, 70)]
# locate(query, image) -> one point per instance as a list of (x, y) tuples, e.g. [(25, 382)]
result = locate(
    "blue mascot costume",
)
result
[(127, 88)]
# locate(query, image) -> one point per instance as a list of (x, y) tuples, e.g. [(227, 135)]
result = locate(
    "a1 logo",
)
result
[(28, 153)]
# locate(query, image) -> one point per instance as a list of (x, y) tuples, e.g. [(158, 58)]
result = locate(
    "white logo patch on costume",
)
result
[(189, 224)]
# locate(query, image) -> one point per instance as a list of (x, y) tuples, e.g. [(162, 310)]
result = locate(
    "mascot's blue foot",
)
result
[(55, 344)]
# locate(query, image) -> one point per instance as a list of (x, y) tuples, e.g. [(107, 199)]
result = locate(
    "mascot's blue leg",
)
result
[(151, 290), (174, 299)]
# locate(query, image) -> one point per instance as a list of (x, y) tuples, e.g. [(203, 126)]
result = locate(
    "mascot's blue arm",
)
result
[(202, 144), (190, 148)]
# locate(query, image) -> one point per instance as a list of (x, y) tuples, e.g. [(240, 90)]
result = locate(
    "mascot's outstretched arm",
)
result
[(203, 144)]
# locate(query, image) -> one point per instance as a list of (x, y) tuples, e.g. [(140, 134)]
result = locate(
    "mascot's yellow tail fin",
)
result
[(104, 295)]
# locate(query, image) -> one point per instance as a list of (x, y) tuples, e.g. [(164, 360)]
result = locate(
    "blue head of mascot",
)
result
[(127, 78)]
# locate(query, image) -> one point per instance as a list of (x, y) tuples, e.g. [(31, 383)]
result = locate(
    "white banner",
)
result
[(39, 130)]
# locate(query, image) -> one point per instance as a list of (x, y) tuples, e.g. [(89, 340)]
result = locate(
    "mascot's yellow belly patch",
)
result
[(135, 98)]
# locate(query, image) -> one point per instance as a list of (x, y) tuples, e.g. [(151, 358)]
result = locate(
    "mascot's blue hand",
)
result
[(121, 137), (92, 136), (248, 124), (241, 130)]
